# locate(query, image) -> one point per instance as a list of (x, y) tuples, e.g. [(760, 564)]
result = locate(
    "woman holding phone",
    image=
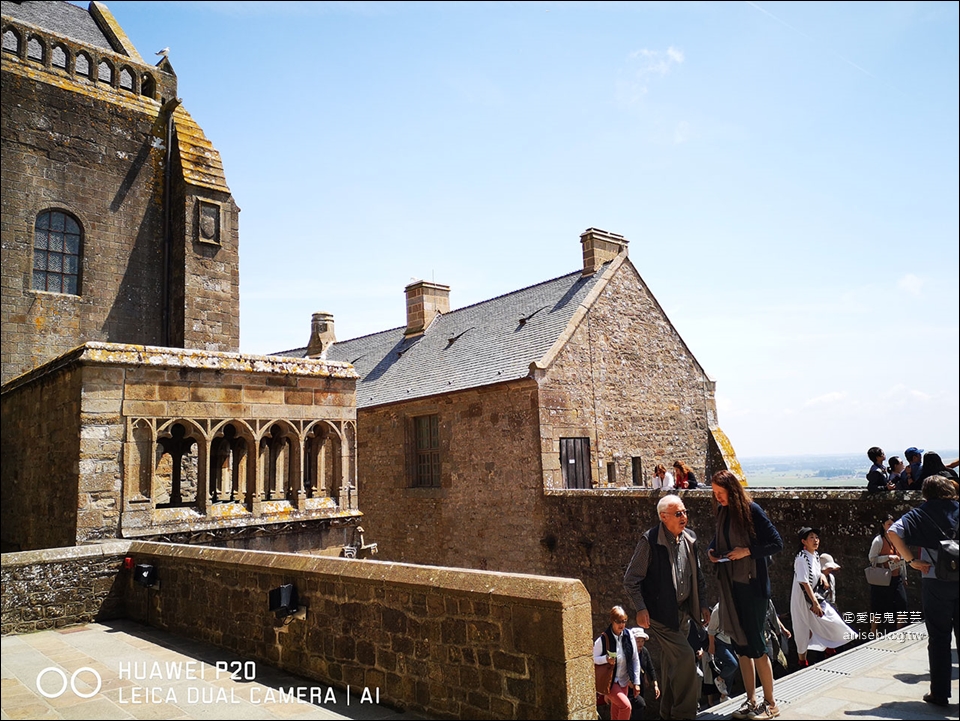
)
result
[(745, 539)]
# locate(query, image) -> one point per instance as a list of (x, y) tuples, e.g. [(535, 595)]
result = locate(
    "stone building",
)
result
[(117, 221), (127, 410), (469, 420)]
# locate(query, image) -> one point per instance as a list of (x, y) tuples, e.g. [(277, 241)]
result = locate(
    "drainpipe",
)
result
[(168, 108)]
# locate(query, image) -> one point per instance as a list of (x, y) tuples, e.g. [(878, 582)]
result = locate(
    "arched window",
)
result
[(105, 72), (35, 50), (11, 41), (57, 245), (59, 59), (83, 64), (148, 85), (126, 79)]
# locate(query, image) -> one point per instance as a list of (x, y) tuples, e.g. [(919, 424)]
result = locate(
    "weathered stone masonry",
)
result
[(446, 642), (85, 132), (158, 442)]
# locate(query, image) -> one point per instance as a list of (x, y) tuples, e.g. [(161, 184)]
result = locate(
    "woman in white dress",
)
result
[(816, 624)]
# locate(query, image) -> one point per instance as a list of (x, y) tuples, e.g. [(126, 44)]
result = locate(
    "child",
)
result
[(648, 676), (829, 578)]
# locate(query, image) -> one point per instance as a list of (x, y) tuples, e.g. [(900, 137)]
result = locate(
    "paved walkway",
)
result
[(882, 679), (148, 674)]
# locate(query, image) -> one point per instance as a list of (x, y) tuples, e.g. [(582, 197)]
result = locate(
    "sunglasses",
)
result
[(678, 514)]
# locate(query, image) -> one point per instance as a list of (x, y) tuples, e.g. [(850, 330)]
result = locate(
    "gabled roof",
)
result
[(61, 18), (486, 343)]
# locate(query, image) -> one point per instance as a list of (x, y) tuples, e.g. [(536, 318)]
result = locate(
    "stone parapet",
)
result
[(57, 587), (597, 548), (447, 642)]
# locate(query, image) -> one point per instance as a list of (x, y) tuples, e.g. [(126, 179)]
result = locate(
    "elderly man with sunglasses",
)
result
[(665, 583)]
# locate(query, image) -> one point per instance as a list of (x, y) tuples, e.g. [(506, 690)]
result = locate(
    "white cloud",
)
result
[(645, 65), (826, 399), (681, 133), (656, 62), (911, 283)]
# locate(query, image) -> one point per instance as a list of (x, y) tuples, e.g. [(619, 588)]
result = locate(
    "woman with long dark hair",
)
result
[(683, 475), (745, 539)]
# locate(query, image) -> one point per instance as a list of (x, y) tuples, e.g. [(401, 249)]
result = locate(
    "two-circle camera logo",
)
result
[(71, 682)]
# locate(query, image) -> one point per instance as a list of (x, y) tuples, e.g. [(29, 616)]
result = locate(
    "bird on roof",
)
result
[(165, 52)]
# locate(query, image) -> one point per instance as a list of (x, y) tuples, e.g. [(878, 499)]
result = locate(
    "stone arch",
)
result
[(323, 467), (143, 439), (148, 86), (105, 72), (232, 462), (348, 494), (36, 49), (60, 57), (279, 460), (179, 455), (127, 79), (83, 64), (11, 41)]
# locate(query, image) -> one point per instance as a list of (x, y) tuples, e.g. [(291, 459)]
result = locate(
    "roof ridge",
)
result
[(467, 307), (512, 292)]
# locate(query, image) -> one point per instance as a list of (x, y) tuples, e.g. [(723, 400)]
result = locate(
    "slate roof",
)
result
[(490, 342), (61, 18)]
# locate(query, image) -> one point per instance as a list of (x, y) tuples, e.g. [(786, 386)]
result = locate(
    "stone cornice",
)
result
[(95, 353)]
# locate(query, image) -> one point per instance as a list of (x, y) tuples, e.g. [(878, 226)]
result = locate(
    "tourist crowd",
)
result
[(702, 644)]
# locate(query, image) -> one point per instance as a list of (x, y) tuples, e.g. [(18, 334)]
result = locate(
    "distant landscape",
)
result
[(831, 471)]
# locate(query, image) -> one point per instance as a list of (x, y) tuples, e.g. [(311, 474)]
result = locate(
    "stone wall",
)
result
[(70, 448), (445, 642), (626, 380), (596, 533), (62, 587), (97, 151), (487, 510), (40, 447), (95, 161)]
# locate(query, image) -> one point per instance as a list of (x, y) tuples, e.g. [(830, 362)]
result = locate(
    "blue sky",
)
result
[(786, 173)]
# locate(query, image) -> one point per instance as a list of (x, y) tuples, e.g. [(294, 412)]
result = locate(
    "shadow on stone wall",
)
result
[(450, 643)]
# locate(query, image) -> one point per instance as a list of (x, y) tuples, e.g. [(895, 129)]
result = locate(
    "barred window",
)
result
[(427, 432), (57, 241)]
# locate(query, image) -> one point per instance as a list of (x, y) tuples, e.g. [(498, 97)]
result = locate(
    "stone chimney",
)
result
[(424, 301), (321, 335), (600, 247)]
